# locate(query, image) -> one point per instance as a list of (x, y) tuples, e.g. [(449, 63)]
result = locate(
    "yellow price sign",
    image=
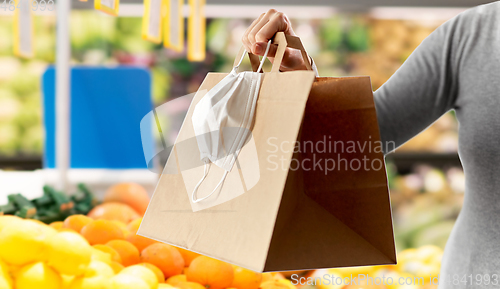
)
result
[(151, 22), (23, 28), (173, 25), (196, 30), (110, 7)]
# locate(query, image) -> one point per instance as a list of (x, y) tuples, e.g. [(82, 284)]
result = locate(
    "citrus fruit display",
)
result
[(103, 251)]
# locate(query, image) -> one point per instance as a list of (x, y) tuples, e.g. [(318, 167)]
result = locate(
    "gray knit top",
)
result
[(458, 67)]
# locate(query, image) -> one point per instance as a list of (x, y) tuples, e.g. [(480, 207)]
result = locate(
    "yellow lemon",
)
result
[(142, 272), (287, 283), (96, 268), (165, 286), (117, 267), (5, 276), (23, 242), (96, 282), (435, 259), (123, 281), (4, 268), (8, 219), (37, 275), (428, 271), (4, 283), (354, 271), (275, 284), (99, 255), (48, 229), (333, 279), (428, 252), (66, 281), (69, 253), (159, 274)]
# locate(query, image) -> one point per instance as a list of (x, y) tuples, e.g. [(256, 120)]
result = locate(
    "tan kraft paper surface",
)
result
[(289, 219)]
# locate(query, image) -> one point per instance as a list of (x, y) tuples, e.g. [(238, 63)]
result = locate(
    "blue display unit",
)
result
[(107, 105)]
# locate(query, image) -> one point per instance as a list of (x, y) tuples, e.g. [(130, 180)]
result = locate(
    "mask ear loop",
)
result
[(265, 56), (205, 174)]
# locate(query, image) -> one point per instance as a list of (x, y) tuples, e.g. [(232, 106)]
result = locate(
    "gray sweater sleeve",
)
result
[(422, 89)]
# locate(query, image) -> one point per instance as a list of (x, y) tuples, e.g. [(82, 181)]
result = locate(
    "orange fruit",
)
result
[(134, 225), (271, 276), (117, 267), (107, 249), (128, 252), (101, 232), (114, 211), (175, 280), (276, 284), (131, 194), (246, 279), (122, 226), (58, 225), (211, 273), (187, 255), (190, 285), (139, 241), (156, 270), (76, 222), (165, 257)]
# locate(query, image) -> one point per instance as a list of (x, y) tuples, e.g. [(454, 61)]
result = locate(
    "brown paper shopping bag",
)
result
[(311, 183)]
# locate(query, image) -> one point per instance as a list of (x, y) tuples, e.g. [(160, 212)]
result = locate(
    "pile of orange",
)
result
[(103, 251)]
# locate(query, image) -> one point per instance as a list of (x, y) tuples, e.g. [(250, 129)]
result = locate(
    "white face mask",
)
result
[(223, 117)]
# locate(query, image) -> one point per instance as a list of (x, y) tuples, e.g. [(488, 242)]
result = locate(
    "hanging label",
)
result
[(107, 6), (173, 28), (151, 22), (196, 30), (23, 29)]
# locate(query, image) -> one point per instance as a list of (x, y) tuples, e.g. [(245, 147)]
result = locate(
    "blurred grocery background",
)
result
[(344, 38)]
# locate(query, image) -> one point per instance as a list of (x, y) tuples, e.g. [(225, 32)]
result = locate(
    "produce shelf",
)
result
[(405, 161), (21, 162)]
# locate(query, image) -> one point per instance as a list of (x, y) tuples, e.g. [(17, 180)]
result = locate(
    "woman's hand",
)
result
[(264, 28)]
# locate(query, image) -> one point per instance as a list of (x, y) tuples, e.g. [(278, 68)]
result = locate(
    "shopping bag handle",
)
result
[(283, 41)]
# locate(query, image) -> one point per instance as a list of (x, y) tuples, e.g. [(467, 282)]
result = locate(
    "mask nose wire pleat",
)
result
[(207, 163)]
